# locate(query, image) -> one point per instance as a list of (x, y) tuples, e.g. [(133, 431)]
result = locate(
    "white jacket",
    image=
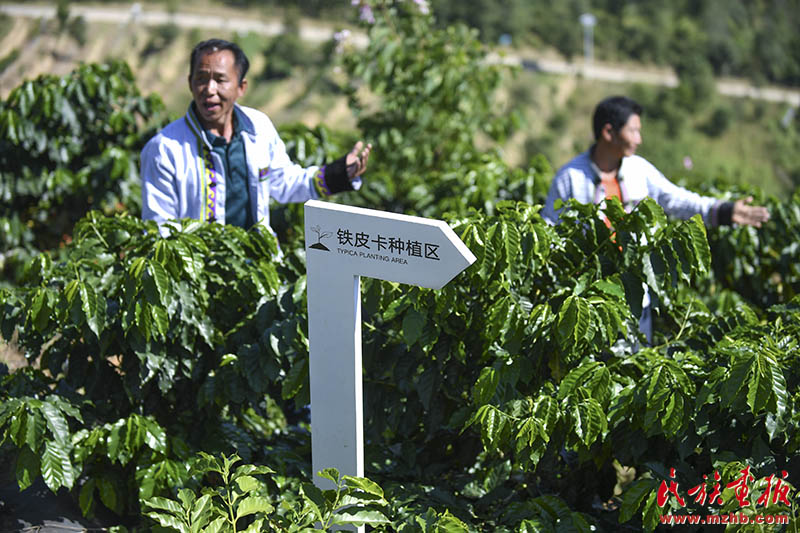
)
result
[(183, 178), (638, 178)]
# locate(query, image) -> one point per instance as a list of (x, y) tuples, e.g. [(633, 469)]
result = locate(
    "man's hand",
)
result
[(356, 161), (749, 215)]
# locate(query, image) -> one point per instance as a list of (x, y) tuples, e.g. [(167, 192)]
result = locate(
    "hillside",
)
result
[(552, 97)]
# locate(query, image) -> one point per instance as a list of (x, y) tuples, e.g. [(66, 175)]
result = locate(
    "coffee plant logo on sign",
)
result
[(376, 246), (320, 235)]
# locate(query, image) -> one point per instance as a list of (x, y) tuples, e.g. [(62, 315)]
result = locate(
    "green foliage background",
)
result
[(166, 368), (753, 39)]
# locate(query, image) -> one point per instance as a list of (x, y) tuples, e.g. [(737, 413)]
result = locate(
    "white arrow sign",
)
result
[(342, 244)]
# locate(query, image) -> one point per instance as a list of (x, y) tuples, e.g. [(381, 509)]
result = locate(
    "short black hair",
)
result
[(614, 110), (215, 45)]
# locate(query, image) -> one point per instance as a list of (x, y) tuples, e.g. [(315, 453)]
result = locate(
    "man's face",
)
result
[(215, 87), (629, 136)]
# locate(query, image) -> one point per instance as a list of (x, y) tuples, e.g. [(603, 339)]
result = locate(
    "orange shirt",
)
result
[(611, 185)]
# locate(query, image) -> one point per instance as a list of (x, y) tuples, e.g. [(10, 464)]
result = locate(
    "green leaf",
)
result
[(674, 416), (576, 378), (498, 317), (331, 474), (187, 259), (364, 485), (56, 467), (164, 504), (134, 433), (248, 469), (252, 505), (186, 498), (296, 379), (650, 275), (108, 494), (114, 441), (413, 322), (779, 389), (759, 387), (86, 497), (256, 527), (314, 499), (702, 253), (395, 307), (228, 358), (427, 386), (247, 483), (66, 407), (34, 430), (546, 409), (529, 433), (90, 308), (767, 386), (40, 310), (17, 429), (216, 526), (201, 512), (512, 242), (485, 387), (634, 495), (736, 377), (534, 526), (360, 518), (573, 320), (162, 281), (611, 287), (448, 523), (658, 392), (634, 292), (169, 521), (56, 422), (590, 420), (144, 318), (160, 320), (27, 468), (651, 513), (493, 425), (155, 437), (71, 290)]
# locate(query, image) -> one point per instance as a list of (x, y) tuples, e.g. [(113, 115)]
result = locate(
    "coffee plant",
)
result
[(760, 265), (237, 498), (424, 96), (152, 348), (67, 145)]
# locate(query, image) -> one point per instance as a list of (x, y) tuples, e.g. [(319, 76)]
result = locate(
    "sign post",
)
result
[(342, 244)]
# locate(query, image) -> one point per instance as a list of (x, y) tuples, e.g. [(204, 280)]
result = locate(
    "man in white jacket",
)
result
[(222, 162), (610, 168)]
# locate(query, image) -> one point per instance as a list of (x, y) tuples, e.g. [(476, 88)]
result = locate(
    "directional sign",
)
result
[(388, 246), (342, 244)]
